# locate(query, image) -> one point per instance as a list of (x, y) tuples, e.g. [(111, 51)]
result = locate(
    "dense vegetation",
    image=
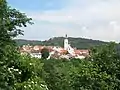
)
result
[(16, 72), (99, 71), (79, 43)]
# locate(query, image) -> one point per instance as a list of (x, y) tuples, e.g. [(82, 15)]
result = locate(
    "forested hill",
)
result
[(80, 43)]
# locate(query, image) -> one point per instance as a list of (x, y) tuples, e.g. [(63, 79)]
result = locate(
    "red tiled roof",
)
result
[(63, 51), (38, 47), (77, 51), (80, 52)]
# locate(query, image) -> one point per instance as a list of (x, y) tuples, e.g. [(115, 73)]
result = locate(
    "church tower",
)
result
[(66, 45)]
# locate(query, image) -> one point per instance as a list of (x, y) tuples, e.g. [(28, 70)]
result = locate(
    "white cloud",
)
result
[(96, 15)]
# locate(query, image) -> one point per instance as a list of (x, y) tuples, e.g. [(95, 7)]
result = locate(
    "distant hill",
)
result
[(80, 43), (21, 42)]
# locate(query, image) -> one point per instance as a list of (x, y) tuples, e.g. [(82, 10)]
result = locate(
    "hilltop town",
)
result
[(56, 52)]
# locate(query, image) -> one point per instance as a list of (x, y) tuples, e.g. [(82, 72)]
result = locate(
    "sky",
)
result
[(94, 19)]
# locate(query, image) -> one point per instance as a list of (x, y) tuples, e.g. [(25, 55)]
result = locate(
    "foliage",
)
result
[(74, 75), (8, 57), (10, 21), (107, 59), (45, 53), (55, 74), (29, 78)]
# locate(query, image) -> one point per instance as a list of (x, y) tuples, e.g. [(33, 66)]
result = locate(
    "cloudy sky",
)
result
[(95, 19)]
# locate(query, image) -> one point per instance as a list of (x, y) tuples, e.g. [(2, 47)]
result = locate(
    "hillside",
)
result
[(21, 42), (80, 43)]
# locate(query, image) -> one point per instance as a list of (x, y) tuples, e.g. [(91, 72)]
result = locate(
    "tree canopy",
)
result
[(16, 71), (45, 53)]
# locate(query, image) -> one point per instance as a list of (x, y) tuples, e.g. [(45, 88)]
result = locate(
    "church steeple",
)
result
[(66, 42)]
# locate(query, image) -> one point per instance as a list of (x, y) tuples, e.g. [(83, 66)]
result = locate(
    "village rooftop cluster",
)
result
[(55, 52)]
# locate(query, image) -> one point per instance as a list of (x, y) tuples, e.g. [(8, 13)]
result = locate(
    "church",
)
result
[(67, 46)]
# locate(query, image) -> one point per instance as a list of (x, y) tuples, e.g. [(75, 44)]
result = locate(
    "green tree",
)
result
[(28, 77), (56, 74), (16, 72), (107, 59), (10, 21), (45, 53)]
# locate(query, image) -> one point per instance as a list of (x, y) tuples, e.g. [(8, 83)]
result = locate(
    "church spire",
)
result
[(66, 36)]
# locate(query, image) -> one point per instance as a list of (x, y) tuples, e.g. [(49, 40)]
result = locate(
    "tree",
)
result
[(107, 59), (45, 53), (56, 74), (16, 72), (10, 21), (28, 77)]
